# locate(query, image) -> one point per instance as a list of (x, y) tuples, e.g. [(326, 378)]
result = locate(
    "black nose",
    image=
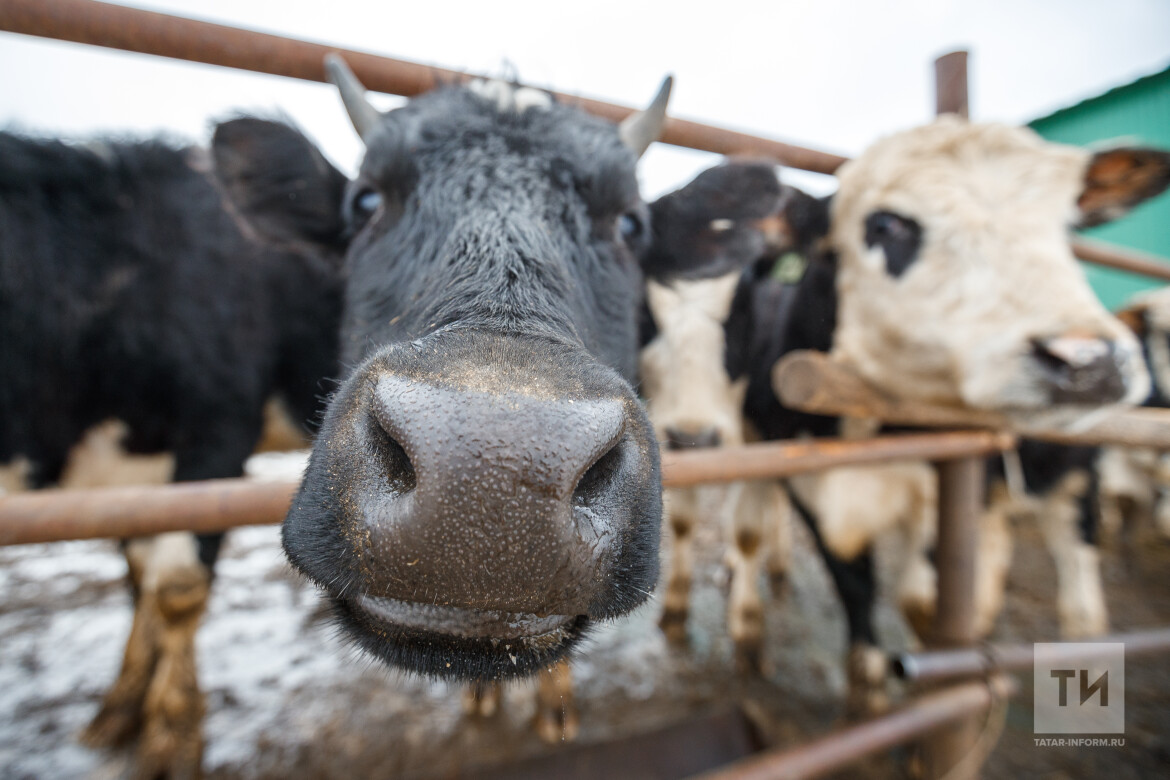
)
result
[(679, 439), (487, 497), (478, 472), (1079, 369)]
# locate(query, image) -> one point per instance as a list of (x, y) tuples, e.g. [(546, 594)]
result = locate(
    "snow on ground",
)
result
[(287, 698)]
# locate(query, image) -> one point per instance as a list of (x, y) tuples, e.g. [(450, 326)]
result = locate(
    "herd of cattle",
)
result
[(489, 335)]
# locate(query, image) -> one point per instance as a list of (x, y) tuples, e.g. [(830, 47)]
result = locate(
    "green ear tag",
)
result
[(789, 268)]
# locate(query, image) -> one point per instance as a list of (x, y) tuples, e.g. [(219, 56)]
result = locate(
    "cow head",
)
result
[(956, 282), (485, 482), (692, 399), (703, 336)]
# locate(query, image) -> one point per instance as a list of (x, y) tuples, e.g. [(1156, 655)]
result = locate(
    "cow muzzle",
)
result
[(1082, 370), (475, 500)]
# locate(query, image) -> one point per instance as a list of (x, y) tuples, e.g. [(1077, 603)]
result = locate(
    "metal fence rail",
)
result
[(217, 505), (164, 35)]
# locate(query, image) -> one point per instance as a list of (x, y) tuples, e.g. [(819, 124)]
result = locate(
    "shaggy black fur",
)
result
[(127, 291)]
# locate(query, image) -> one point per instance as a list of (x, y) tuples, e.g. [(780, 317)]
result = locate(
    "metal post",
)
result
[(960, 502), (950, 84)]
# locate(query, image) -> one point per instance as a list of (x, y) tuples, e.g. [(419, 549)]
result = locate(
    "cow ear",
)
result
[(280, 183), (728, 217), (1116, 180), (1134, 318)]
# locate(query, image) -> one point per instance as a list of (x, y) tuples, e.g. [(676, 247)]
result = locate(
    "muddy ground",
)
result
[(286, 699)]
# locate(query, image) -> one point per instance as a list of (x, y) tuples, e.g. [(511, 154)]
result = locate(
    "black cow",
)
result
[(128, 292), (485, 484)]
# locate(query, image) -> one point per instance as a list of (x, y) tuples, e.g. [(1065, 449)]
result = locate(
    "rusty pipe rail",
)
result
[(1132, 262), (217, 505), (164, 35), (842, 748), (142, 510), (938, 665), (147, 32)]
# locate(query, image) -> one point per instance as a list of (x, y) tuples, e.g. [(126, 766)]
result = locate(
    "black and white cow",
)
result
[(710, 346), (941, 273), (136, 316), (486, 483)]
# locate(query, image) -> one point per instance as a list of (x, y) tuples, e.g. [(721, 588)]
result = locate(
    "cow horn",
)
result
[(642, 128), (364, 116)]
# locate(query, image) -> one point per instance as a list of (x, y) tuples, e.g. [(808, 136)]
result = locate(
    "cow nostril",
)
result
[(1075, 352), (1079, 369), (1049, 361), (395, 463), (600, 476)]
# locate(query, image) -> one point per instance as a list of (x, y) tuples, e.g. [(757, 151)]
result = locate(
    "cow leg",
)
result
[(856, 585), (556, 718), (172, 732), (99, 459), (120, 716), (778, 527), (1068, 534), (917, 578), (745, 554), (993, 560), (481, 699), (680, 508)]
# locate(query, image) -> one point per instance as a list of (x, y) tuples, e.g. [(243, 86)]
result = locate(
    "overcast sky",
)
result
[(830, 74)]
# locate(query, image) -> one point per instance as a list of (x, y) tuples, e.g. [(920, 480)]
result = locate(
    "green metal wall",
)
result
[(1134, 113)]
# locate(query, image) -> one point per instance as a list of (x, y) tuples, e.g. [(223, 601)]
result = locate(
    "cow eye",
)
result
[(363, 205), (899, 237), (630, 227)]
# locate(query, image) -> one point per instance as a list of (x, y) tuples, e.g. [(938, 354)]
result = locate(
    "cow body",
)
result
[(138, 318)]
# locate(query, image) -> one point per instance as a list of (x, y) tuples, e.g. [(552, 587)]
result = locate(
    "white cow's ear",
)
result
[(1116, 180)]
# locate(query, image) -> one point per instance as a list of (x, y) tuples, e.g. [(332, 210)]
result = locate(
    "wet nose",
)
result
[(682, 439), (1080, 369), (530, 486)]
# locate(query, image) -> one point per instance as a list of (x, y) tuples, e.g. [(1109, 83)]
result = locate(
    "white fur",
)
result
[(682, 369), (14, 476), (1080, 594), (855, 504), (509, 97), (101, 460)]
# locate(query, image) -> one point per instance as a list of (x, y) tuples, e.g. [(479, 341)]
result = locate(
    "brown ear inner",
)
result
[(1119, 179), (1134, 318)]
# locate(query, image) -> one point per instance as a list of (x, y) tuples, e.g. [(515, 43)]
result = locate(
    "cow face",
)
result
[(956, 281), (692, 399), (718, 309), (485, 482)]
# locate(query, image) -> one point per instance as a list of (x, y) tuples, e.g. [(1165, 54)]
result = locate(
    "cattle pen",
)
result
[(946, 716)]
